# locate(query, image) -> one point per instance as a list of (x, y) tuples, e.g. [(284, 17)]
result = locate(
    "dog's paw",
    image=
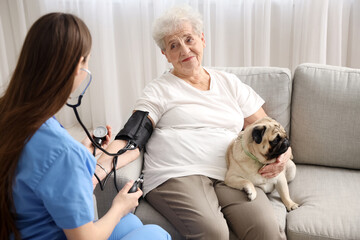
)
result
[(250, 191), (292, 206)]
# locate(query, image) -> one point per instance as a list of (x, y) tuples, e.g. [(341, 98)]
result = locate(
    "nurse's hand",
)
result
[(122, 204), (125, 202), (87, 143)]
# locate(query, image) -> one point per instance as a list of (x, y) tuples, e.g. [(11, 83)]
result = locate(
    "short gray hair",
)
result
[(172, 19)]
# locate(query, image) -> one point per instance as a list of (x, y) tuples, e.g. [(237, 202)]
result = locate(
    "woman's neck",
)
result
[(199, 78)]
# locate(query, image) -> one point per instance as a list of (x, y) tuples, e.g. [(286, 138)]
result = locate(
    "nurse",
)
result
[(46, 177)]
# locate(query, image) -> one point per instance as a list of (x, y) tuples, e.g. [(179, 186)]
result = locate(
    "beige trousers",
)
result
[(202, 208)]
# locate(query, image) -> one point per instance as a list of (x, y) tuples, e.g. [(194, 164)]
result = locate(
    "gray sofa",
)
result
[(320, 107)]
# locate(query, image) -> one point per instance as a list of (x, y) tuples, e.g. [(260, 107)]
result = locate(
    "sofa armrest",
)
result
[(123, 175)]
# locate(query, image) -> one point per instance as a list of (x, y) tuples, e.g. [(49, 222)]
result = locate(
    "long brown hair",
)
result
[(39, 87)]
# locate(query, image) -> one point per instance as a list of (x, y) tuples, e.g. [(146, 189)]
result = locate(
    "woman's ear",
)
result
[(203, 39), (78, 67), (164, 53)]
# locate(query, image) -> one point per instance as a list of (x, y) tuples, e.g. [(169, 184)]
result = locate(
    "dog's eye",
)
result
[(275, 141)]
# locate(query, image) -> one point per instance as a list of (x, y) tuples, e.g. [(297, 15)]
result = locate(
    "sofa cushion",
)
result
[(324, 120), (273, 84), (149, 215), (329, 203), (279, 209)]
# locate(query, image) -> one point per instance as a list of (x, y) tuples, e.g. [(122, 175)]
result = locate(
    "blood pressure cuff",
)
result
[(137, 129)]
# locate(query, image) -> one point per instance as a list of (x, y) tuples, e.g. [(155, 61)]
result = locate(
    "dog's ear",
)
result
[(258, 133)]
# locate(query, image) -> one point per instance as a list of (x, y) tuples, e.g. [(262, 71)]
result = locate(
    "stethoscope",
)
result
[(100, 135)]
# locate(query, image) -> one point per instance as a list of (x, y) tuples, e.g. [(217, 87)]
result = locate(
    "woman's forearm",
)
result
[(105, 164)]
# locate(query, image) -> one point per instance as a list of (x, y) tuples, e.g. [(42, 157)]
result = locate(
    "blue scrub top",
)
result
[(53, 184)]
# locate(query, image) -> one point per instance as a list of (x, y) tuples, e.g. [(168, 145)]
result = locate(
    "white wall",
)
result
[(281, 33)]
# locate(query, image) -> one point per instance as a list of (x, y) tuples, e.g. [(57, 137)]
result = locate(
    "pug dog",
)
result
[(255, 147)]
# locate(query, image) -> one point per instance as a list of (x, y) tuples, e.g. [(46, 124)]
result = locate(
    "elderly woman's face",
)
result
[(184, 49)]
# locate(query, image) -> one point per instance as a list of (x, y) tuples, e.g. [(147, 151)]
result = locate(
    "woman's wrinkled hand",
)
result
[(274, 169), (87, 143)]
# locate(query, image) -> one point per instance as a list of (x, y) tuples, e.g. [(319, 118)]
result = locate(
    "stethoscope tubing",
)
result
[(129, 146)]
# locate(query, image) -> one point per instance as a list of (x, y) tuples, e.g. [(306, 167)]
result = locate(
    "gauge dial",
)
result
[(100, 132)]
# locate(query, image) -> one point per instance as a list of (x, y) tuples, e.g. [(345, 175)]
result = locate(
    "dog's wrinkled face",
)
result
[(269, 138)]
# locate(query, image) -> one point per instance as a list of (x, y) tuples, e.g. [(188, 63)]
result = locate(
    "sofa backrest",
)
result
[(273, 84), (325, 114)]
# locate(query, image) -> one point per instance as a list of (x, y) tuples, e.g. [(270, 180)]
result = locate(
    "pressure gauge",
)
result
[(100, 134)]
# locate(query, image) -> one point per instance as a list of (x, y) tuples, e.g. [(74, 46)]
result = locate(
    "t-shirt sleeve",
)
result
[(66, 188), (152, 100), (249, 101)]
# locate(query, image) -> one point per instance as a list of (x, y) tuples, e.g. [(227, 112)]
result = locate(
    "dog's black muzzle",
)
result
[(278, 147)]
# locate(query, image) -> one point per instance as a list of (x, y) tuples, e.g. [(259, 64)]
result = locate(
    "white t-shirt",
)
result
[(193, 127)]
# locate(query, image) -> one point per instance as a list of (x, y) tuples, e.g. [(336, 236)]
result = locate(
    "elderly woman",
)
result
[(196, 113)]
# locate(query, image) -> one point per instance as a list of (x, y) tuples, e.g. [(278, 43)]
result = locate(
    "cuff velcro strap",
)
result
[(137, 129)]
